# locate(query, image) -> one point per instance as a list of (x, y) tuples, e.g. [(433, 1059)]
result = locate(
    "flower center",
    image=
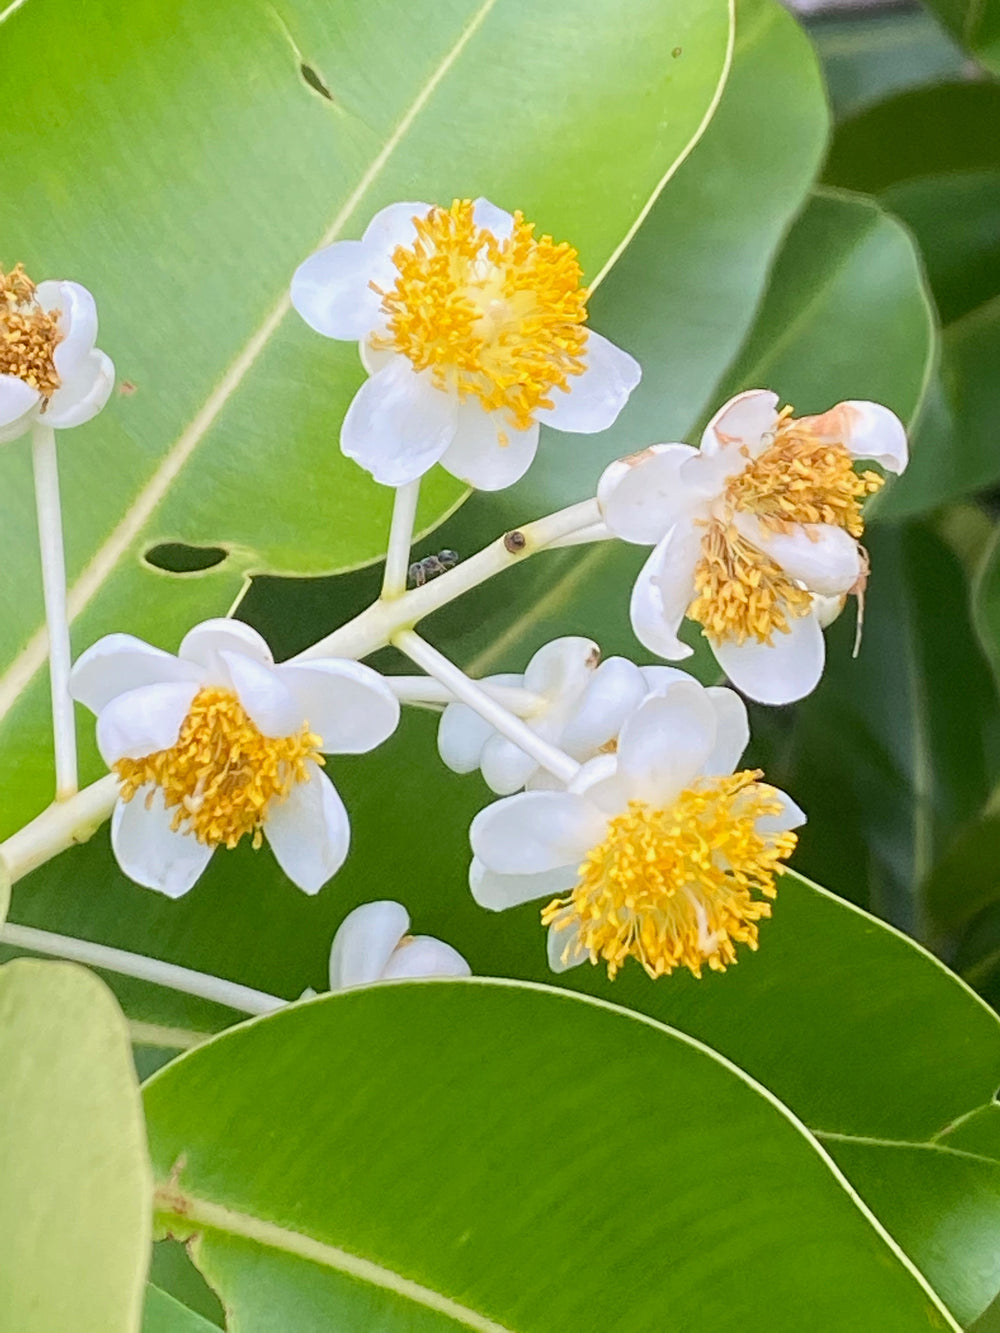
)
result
[(28, 334), (676, 887), (500, 320), (741, 592), (223, 773)]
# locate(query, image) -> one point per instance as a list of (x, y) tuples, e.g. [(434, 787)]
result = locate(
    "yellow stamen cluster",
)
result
[(501, 320), (677, 887), (222, 774), (28, 334), (742, 593)]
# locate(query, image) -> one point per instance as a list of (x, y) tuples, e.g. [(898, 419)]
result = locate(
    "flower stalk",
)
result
[(397, 559)]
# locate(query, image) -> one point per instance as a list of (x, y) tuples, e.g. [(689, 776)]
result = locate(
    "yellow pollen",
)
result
[(502, 320), (742, 593), (28, 334), (679, 887), (223, 774)]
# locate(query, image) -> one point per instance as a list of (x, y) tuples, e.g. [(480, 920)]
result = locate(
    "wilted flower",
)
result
[(748, 529), (219, 743), (374, 944), (50, 370), (661, 852), (472, 331)]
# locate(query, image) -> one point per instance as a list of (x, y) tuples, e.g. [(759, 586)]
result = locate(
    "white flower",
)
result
[(374, 944), (662, 852), (748, 529), (50, 370), (219, 742), (472, 331)]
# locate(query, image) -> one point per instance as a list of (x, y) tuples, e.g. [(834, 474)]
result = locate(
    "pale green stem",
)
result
[(427, 690), (201, 984), (50, 543), (397, 559), (556, 761), (60, 826), (595, 532)]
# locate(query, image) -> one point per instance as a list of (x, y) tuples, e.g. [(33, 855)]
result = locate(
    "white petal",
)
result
[(657, 678), (82, 395), (824, 558), (149, 851), (488, 452), (331, 291), (564, 949), (309, 832), (790, 816), (787, 669), (143, 721), (535, 831), (492, 219), (424, 956), (562, 669), (664, 590), (18, 402), (270, 704), (867, 430), (505, 767), (666, 741), (349, 705), (375, 359), (827, 609), (732, 731), (364, 943), (119, 663), (462, 733), (497, 892), (615, 690), (744, 420), (398, 424), (206, 641), (643, 496), (594, 398), (393, 226), (77, 323), (604, 787)]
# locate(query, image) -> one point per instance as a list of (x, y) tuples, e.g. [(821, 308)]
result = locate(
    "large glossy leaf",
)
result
[(974, 23), (460, 1155), (162, 1314), (76, 1198), (188, 219)]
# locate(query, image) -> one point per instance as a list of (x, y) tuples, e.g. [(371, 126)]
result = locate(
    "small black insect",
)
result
[(422, 571)]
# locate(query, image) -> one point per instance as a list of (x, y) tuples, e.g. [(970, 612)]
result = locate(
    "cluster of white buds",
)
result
[(623, 805)]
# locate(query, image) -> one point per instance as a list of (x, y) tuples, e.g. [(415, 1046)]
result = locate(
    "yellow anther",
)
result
[(28, 334), (742, 593)]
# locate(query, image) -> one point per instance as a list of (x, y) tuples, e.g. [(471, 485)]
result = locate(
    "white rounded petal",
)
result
[(83, 394), (604, 787), (492, 219), (206, 641), (732, 731), (666, 741), (535, 831), (488, 452), (309, 831), (827, 609), (563, 668), (643, 496), (393, 226), (364, 943), (331, 291), (745, 420), (657, 678), (423, 956), (77, 312), (787, 669), (564, 949), (462, 733), (119, 663), (374, 358), (269, 703), (18, 402), (149, 851), (664, 590), (398, 424), (824, 558), (346, 703), (790, 816), (867, 430), (595, 398), (614, 691), (506, 768), (143, 721), (497, 892)]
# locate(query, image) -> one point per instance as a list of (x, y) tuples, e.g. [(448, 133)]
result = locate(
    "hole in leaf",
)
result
[(178, 558), (314, 81)]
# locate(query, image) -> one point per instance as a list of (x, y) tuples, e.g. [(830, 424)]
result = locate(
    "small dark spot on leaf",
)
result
[(126, 389), (178, 558), (314, 81), (515, 541), (676, 52)]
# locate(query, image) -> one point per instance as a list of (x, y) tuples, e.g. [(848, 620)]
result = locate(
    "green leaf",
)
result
[(188, 219), (76, 1198), (440, 1156), (974, 23), (162, 1314)]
